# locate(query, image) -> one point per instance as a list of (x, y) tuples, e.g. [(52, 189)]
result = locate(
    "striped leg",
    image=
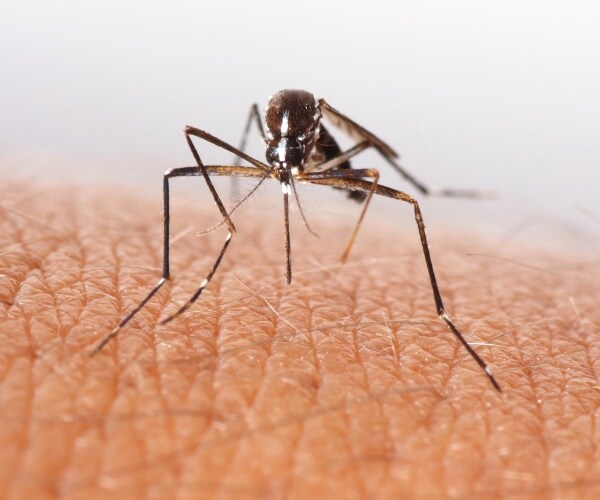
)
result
[(346, 181)]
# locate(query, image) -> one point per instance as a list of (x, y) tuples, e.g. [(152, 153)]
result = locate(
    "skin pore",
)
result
[(344, 384)]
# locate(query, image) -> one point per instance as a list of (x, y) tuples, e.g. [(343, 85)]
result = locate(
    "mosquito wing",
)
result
[(355, 130)]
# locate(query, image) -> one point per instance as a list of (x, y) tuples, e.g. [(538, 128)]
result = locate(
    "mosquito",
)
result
[(300, 149)]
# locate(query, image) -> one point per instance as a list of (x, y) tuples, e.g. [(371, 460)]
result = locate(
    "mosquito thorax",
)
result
[(292, 119)]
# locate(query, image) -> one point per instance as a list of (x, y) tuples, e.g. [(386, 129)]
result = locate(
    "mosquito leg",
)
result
[(351, 174), (343, 157), (253, 117), (202, 134), (203, 284), (428, 191), (178, 172), (209, 183), (230, 171), (367, 187), (261, 170), (191, 131)]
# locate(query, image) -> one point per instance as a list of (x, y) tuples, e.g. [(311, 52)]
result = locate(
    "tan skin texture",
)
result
[(343, 384)]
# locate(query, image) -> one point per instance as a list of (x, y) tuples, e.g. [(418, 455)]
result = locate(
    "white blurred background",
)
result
[(502, 96)]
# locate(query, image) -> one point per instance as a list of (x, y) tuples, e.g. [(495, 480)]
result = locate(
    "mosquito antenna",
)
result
[(237, 205), (300, 208)]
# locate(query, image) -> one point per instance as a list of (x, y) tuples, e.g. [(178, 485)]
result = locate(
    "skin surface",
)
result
[(342, 385)]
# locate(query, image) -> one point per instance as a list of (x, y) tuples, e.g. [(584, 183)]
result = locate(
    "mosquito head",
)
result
[(285, 152), (292, 120)]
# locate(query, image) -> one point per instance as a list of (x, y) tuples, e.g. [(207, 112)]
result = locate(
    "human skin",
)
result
[(344, 384)]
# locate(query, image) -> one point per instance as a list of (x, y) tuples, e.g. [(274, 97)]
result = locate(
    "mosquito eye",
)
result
[(294, 155), (272, 155)]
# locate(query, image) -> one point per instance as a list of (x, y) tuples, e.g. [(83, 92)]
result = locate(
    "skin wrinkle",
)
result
[(312, 392), (454, 435), (207, 387), (160, 393), (62, 284), (226, 372), (236, 457), (360, 342), (307, 372), (351, 313), (19, 448)]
